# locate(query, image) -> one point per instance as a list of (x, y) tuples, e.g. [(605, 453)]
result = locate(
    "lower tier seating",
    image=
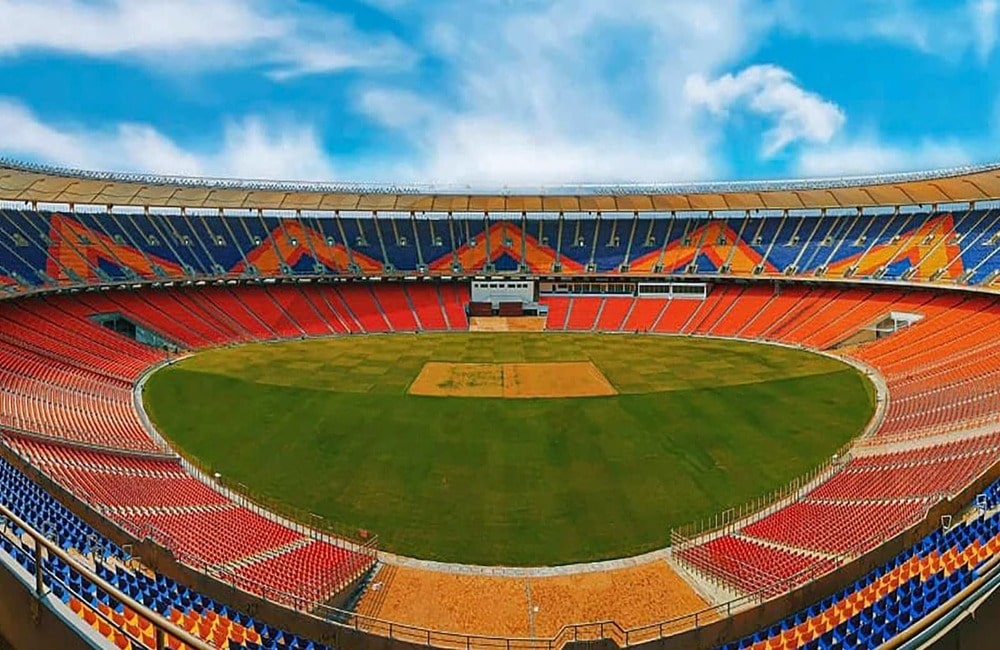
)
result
[(203, 617), (752, 566), (841, 527), (892, 598)]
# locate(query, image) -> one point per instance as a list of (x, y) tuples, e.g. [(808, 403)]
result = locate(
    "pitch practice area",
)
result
[(513, 448)]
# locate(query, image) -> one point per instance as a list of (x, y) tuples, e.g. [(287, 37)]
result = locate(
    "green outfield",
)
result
[(329, 426)]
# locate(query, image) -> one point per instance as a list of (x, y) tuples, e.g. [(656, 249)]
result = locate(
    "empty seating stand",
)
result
[(65, 386), (197, 614), (893, 597), (161, 247)]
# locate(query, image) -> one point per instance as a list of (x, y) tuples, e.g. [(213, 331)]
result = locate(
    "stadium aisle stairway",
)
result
[(644, 314), (751, 301), (119, 482), (752, 566), (455, 297), (360, 301), (613, 313), (299, 313), (558, 311), (677, 313), (709, 317), (583, 313), (427, 306), (396, 307)]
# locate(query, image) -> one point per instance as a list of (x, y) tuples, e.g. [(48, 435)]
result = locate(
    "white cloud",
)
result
[(254, 149), (249, 148), (285, 38), (947, 30), (394, 108), (871, 156), (984, 18), (772, 92), (542, 92), (484, 150)]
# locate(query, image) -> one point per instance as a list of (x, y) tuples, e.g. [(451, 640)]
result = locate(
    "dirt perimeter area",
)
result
[(511, 380), (526, 607)]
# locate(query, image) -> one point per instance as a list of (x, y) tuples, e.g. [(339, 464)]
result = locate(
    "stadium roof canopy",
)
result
[(43, 184)]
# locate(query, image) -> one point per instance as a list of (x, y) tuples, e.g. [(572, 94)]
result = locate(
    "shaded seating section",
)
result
[(98, 247), (893, 597)]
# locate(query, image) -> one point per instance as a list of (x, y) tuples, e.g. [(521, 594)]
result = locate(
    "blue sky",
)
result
[(501, 92)]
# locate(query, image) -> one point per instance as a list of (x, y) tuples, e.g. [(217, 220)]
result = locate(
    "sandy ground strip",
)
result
[(530, 607), (468, 604)]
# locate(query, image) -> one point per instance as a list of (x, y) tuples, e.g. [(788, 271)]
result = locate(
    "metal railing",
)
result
[(44, 581)]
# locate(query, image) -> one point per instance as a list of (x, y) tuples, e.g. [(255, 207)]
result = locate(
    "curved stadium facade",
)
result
[(105, 277)]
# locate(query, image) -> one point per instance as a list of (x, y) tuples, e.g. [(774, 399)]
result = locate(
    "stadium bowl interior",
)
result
[(113, 538)]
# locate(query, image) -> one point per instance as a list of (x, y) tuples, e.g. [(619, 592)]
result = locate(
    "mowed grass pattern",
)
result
[(326, 425)]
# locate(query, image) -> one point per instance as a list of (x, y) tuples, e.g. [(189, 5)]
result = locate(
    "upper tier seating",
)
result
[(61, 248)]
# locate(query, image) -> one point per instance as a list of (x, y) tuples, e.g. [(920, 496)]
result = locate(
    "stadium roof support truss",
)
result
[(43, 184)]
